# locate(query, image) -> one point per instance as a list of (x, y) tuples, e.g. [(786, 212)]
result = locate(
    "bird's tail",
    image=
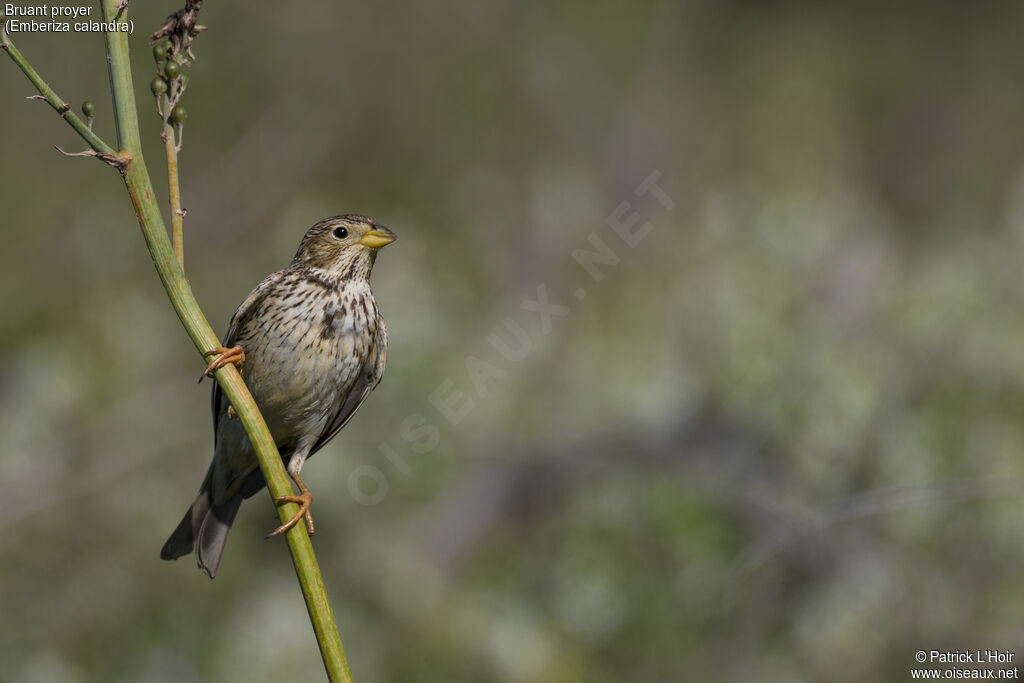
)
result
[(203, 530)]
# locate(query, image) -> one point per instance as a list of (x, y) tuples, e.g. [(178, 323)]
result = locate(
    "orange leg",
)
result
[(304, 499), (224, 356)]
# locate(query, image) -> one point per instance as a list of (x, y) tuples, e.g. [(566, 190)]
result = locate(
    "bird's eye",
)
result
[(341, 233)]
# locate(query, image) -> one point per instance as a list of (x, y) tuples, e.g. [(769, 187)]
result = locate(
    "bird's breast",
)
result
[(304, 355)]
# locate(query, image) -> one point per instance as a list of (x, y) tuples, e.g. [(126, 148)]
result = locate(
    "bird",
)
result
[(311, 345)]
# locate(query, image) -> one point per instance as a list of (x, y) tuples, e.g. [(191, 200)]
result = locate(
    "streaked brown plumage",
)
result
[(315, 347)]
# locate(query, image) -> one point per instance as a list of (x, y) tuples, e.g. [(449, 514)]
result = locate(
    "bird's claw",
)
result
[(304, 500), (223, 356)]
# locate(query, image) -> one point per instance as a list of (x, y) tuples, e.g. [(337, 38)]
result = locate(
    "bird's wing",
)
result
[(239, 320), (369, 377)]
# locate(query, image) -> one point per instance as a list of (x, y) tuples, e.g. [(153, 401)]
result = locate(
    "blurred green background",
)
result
[(780, 440)]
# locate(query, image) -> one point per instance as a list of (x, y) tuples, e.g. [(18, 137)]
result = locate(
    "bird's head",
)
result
[(343, 247)]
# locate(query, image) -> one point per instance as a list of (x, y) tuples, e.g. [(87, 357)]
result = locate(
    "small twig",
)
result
[(59, 105), (172, 145), (174, 190), (181, 28), (118, 161), (85, 153)]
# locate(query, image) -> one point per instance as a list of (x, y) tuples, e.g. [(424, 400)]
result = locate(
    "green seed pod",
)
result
[(159, 52), (172, 69), (179, 114), (89, 109), (158, 86)]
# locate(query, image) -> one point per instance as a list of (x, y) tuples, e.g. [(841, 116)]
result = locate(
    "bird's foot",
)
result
[(223, 356), (304, 499)]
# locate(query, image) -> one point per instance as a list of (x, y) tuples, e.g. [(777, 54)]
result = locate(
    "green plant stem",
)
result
[(173, 278), (140, 189), (174, 192), (59, 105), (171, 146)]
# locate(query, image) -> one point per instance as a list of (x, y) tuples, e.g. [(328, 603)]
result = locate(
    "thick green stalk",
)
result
[(173, 278), (130, 163)]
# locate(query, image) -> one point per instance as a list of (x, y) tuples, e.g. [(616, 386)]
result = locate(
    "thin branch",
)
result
[(47, 93), (171, 148), (174, 190), (118, 161), (172, 135)]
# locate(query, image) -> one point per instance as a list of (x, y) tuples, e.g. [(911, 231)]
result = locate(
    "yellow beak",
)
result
[(378, 237)]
